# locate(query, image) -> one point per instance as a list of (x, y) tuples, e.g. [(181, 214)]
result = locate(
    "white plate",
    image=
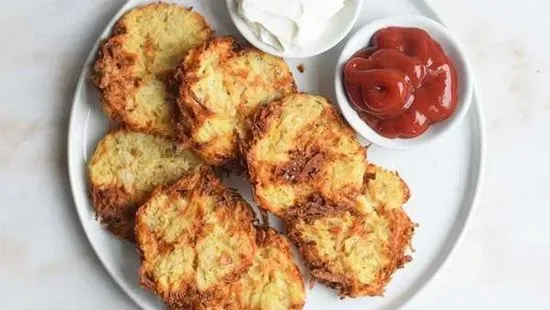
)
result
[(444, 176)]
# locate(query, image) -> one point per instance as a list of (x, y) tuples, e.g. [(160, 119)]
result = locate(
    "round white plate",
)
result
[(444, 177)]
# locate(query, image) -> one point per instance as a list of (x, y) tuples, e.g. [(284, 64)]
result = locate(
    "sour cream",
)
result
[(285, 24)]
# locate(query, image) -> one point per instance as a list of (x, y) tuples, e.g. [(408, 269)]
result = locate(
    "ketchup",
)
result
[(402, 83)]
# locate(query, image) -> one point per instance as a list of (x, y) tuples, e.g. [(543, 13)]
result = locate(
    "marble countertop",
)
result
[(47, 263)]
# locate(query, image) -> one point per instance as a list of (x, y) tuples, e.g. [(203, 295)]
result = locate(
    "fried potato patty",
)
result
[(357, 251), (301, 149), (135, 63), (125, 168), (272, 282), (195, 237), (220, 87)]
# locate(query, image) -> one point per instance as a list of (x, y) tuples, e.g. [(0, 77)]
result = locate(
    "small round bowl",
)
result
[(339, 26), (451, 47)]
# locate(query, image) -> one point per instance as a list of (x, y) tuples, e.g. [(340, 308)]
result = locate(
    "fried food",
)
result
[(125, 168), (356, 251), (272, 282), (135, 63), (301, 150), (220, 87), (195, 238)]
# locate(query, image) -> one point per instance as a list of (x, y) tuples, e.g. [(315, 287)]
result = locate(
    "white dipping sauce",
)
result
[(285, 24)]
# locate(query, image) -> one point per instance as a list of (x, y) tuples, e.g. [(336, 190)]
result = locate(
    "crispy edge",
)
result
[(261, 122), (370, 176), (259, 126), (190, 298), (267, 236), (246, 49), (192, 112), (249, 122), (144, 235), (401, 228), (114, 211), (113, 205), (266, 114), (347, 286), (112, 73)]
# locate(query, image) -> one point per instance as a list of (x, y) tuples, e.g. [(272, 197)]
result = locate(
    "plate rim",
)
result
[(475, 109), (428, 10)]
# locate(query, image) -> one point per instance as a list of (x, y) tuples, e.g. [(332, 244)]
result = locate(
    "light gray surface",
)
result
[(455, 161), (45, 261)]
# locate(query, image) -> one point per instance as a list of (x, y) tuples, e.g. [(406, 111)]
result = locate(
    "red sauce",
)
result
[(402, 83)]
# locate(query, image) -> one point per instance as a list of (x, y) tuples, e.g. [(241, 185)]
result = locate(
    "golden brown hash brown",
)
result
[(125, 168), (134, 65), (272, 282), (195, 237), (356, 251), (220, 87), (301, 150)]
